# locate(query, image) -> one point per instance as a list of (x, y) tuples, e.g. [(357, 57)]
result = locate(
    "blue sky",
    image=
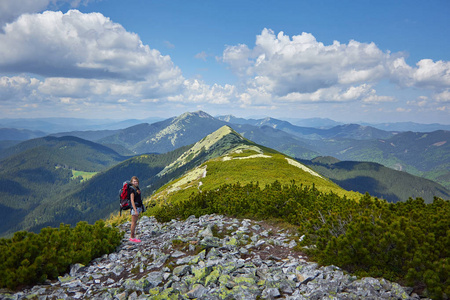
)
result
[(351, 61)]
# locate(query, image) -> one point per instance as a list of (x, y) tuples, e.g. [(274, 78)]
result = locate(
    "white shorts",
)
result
[(139, 209)]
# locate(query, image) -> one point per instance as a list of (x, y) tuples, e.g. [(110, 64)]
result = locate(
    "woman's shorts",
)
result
[(139, 209)]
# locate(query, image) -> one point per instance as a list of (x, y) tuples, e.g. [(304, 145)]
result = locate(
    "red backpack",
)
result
[(124, 196)]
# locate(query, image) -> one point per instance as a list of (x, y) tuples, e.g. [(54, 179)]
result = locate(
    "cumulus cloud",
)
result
[(302, 69), (11, 9), (85, 59), (430, 74), (76, 61), (443, 96), (301, 64), (17, 87), (363, 92), (80, 46)]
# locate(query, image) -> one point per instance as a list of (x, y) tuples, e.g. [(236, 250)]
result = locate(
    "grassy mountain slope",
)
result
[(377, 180), (240, 161), (421, 154)]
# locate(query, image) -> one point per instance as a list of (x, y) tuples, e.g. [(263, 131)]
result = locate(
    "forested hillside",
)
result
[(51, 193), (422, 154), (378, 180), (13, 134), (42, 171)]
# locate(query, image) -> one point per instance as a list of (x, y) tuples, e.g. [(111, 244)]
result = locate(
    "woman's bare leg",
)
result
[(133, 225)]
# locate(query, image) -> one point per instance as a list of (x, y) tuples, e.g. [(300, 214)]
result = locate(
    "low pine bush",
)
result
[(29, 258)]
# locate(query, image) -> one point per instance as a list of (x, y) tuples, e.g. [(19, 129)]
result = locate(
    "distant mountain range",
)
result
[(49, 180), (47, 126), (422, 154), (54, 125)]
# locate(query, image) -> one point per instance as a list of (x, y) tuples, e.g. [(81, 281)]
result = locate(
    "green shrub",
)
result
[(28, 258)]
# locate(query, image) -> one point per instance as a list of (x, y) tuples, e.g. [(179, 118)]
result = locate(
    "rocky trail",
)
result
[(211, 257)]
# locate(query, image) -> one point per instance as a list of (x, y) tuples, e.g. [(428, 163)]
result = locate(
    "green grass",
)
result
[(84, 175), (258, 169)]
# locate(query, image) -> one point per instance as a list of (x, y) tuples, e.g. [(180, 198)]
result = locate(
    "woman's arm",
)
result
[(132, 203)]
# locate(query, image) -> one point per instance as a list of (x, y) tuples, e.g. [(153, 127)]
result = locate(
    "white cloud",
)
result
[(202, 55), (239, 58), (402, 110), (363, 92), (82, 56), (11, 9), (427, 75), (80, 46), (17, 87), (443, 97), (301, 69), (198, 92), (430, 74), (301, 64)]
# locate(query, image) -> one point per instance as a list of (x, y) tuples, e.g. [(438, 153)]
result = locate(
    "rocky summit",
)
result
[(210, 257)]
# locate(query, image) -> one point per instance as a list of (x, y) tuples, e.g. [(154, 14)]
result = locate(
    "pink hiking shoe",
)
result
[(135, 240)]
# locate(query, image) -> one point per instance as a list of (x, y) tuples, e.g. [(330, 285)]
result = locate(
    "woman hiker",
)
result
[(137, 207)]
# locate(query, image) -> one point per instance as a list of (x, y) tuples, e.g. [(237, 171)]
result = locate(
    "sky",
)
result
[(350, 61)]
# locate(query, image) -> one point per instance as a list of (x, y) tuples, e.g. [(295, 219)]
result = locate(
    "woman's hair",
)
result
[(133, 178)]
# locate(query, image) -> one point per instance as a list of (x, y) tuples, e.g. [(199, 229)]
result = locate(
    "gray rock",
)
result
[(207, 232), (155, 278), (117, 270), (271, 293), (197, 291), (181, 270), (210, 242)]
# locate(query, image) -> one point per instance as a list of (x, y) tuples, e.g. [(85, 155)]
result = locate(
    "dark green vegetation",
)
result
[(408, 242), (38, 187), (28, 258), (41, 173), (421, 154), (378, 180)]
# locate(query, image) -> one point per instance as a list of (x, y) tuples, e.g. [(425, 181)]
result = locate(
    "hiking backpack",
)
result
[(124, 196)]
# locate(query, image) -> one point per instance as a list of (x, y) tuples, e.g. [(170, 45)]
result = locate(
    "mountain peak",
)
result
[(206, 145), (199, 114)]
